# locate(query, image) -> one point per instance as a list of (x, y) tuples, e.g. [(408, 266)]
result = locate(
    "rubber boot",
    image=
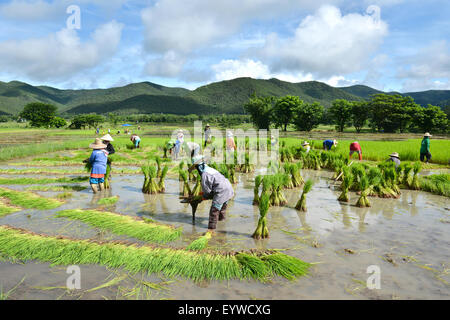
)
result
[(222, 212), (213, 216), (94, 188)]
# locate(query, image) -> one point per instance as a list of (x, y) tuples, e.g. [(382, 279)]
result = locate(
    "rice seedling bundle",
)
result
[(437, 183), (246, 167), (150, 186), (262, 231), (276, 182), (200, 243), (406, 177), (223, 169), (161, 184), (364, 185), (186, 189), (197, 266), (180, 169), (301, 204), (158, 165), (124, 225), (108, 201), (417, 167), (198, 186), (6, 209), (29, 200), (266, 184), (390, 178), (338, 166), (347, 179), (232, 173), (258, 181)]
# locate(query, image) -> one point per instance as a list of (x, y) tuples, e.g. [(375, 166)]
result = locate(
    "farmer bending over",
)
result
[(355, 147), (327, 144), (425, 148), (394, 157), (214, 186), (98, 161), (136, 140)]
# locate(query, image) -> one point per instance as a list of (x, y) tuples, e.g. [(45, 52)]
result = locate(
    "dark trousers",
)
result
[(425, 155), (216, 215)]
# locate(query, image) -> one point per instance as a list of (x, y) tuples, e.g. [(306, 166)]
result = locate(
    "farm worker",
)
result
[(395, 158), (425, 147), (355, 147), (306, 146), (230, 141), (107, 141), (109, 131), (97, 131), (214, 186), (273, 141), (136, 140), (207, 134), (191, 148), (328, 144), (178, 143), (98, 161)]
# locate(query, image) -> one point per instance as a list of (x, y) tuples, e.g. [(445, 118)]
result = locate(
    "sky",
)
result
[(390, 45)]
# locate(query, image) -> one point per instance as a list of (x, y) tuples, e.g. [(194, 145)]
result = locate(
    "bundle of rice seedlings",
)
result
[(197, 187), (338, 166), (285, 179), (297, 177), (391, 178), (223, 169), (246, 167), (29, 200), (375, 181), (262, 231), (347, 179), (186, 188), (364, 186), (289, 183), (406, 178), (180, 169), (158, 164), (232, 173), (197, 266), (150, 186), (266, 184), (276, 182), (200, 243), (272, 167), (258, 181), (107, 183), (301, 204), (358, 172), (417, 167), (124, 225), (161, 184)]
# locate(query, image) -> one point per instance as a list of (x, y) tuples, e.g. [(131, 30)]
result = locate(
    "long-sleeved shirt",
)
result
[(193, 148), (425, 146), (98, 160), (355, 146), (207, 134), (110, 148), (395, 160), (215, 186), (328, 144)]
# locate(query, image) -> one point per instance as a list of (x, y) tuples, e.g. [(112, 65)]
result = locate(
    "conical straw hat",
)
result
[(97, 144), (107, 137), (394, 154)]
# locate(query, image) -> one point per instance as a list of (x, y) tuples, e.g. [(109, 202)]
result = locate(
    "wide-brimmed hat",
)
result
[(97, 144), (305, 143), (335, 141), (195, 161), (427, 134), (107, 137), (394, 154), (229, 134), (207, 125)]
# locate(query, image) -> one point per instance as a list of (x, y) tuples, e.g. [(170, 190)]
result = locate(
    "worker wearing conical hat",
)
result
[(98, 160), (394, 157), (107, 141), (214, 186), (425, 148)]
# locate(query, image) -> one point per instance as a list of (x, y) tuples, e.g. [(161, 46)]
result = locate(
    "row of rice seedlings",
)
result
[(124, 225), (29, 200), (247, 167), (6, 209), (108, 201), (301, 204), (200, 243), (198, 266), (258, 181), (279, 181), (437, 183), (262, 231), (286, 155), (24, 181), (150, 186), (294, 170), (347, 179), (56, 188)]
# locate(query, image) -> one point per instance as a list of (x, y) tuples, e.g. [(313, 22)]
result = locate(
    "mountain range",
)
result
[(219, 97)]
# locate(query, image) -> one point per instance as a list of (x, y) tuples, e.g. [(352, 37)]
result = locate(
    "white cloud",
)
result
[(60, 54), (383, 3), (327, 43), (169, 65)]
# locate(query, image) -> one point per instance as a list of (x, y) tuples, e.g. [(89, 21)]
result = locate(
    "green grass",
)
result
[(23, 245), (6, 209), (124, 225), (108, 201), (29, 200), (437, 183), (200, 243), (23, 181), (56, 188)]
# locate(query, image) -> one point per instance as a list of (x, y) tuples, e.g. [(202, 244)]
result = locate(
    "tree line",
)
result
[(382, 113)]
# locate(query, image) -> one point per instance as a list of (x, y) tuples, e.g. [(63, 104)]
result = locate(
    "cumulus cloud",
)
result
[(169, 65), (61, 54), (429, 68), (327, 43)]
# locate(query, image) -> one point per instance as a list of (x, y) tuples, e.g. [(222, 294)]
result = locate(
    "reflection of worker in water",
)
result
[(214, 186)]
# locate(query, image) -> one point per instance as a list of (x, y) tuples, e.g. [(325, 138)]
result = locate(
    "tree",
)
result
[(431, 118), (58, 122), (341, 112), (308, 116), (260, 110), (86, 120), (39, 114), (284, 110), (360, 114), (113, 118)]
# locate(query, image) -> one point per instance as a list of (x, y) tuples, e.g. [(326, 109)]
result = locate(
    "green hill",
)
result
[(361, 91)]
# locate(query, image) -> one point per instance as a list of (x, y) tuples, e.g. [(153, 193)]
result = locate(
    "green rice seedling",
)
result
[(200, 243), (247, 167), (180, 169), (64, 195), (192, 175), (197, 187), (258, 181), (124, 225), (29, 200), (108, 201), (272, 167), (301, 204), (284, 179), (288, 168), (364, 186), (150, 186), (266, 184), (232, 173), (406, 177), (7, 209), (338, 166), (390, 178), (437, 183), (161, 184), (197, 266), (56, 188), (347, 179), (25, 181), (262, 231), (186, 188), (158, 165), (297, 176), (375, 181), (417, 167), (223, 169), (276, 181)]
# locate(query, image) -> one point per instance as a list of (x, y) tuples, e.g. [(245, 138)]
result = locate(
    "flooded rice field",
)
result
[(407, 238)]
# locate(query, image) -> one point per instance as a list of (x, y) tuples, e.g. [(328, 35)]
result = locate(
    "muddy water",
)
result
[(407, 238)]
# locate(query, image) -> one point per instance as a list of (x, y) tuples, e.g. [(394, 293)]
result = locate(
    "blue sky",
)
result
[(391, 45)]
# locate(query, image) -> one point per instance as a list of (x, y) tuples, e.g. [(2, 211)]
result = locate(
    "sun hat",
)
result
[(229, 134), (305, 143), (335, 141), (97, 144), (427, 134), (207, 125), (196, 160), (107, 137), (394, 154)]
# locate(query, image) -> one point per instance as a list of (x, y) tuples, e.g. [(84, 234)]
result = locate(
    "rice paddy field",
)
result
[(312, 243)]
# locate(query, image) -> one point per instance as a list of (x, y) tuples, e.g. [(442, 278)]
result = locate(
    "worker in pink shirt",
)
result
[(355, 147)]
